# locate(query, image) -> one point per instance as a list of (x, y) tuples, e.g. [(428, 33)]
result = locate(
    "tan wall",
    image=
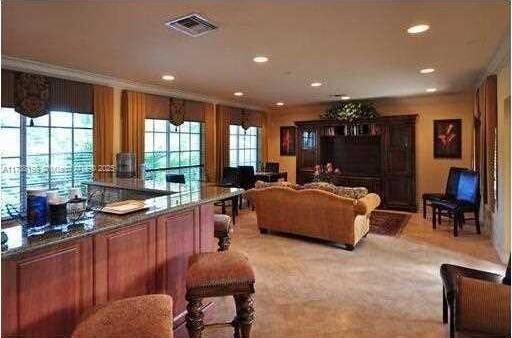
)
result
[(431, 174)]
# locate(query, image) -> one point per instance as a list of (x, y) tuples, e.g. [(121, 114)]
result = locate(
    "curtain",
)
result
[(210, 144), (264, 143), (103, 131), (491, 118), (223, 120), (133, 113)]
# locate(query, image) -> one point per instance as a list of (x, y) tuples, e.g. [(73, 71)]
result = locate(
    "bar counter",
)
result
[(50, 280)]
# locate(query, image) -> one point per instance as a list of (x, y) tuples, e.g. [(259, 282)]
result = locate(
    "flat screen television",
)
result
[(357, 155)]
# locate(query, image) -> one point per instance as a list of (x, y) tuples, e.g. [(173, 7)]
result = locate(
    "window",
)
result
[(244, 146), (55, 153), (177, 150)]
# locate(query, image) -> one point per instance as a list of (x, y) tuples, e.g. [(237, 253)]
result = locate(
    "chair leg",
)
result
[(424, 208), (477, 221), (434, 217), (223, 207), (439, 214), (245, 314), (456, 220), (194, 318), (452, 323), (445, 309)]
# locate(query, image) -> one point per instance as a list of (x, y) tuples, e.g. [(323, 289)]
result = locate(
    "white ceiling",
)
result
[(358, 48)]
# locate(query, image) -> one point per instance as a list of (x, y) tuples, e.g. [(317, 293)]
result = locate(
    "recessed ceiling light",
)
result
[(418, 29), (168, 77), (238, 94), (280, 104), (260, 59), (431, 90), (345, 97), (316, 84), (427, 70)]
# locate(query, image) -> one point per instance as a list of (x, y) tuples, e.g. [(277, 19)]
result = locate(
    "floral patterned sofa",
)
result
[(318, 210)]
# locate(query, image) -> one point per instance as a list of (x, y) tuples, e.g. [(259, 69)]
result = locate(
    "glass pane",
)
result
[(61, 172), (175, 159), (185, 159), (8, 117), (10, 145), (41, 121), (61, 141), (11, 199), (82, 120), (10, 172), (233, 129), (37, 170), (37, 140), (195, 158), (185, 142), (195, 143), (174, 142), (160, 125), (233, 142), (195, 127), (61, 119), (233, 158), (254, 142), (160, 142), (82, 167), (185, 127), (155, 160), (148, 125), (83, 140), (148, 142)]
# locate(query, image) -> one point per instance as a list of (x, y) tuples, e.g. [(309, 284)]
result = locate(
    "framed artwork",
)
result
[(287, 141), (448, 138)]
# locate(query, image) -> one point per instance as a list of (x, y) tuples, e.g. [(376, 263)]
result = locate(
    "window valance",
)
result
[(239, 116), (159, 107), (53, 94)]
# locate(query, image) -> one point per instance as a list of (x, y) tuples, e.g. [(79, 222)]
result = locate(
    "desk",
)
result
[(269, 176)]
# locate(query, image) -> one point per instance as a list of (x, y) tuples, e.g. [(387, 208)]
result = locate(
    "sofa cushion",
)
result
[(262, 184), (322, 186)]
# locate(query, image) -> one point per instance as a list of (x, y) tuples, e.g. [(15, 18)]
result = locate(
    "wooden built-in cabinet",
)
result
[(388, 169), (44, 293)]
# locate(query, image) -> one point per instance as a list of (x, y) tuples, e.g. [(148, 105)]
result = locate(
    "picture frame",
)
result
[(447, 139), (288, 141)]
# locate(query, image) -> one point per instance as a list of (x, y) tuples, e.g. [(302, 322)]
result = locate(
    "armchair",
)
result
[(476, 300)]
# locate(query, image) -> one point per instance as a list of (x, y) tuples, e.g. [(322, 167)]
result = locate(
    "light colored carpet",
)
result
[(386, 287)]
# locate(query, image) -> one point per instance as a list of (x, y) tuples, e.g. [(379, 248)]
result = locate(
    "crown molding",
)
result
[(26, 65), (500, 59)]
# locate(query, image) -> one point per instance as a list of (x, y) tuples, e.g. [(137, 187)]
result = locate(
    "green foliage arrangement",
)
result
[(350, 111)]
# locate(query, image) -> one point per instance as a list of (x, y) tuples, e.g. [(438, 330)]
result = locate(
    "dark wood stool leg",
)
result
[(245, 314), (445, 308), (452, 322), (456, 221), (477, 221), (425, 208), (194, 317), (439, 214)]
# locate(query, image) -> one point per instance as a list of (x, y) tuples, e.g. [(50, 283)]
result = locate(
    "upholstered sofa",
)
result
[(312, 212)]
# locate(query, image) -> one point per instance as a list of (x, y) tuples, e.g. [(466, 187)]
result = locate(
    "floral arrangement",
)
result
[(326, 173), (350, 111)]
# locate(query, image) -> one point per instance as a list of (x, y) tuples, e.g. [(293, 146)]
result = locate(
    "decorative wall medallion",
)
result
[(32, 95), (176, 112)]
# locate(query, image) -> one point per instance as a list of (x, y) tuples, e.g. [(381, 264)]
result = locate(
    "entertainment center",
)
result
[(378, 154)]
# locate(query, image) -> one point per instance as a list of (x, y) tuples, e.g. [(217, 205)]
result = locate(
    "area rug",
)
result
[(388, 223)]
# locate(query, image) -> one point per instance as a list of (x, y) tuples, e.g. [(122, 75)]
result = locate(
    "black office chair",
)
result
[(229, 179), (272, 167), (449, 193), (466, 200), (175, 178), (246, 178)]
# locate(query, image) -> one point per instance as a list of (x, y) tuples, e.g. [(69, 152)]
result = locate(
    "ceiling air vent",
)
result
[(192, 24)]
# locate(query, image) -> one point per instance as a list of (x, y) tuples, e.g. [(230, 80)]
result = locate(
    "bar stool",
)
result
[(222, 230), (220, 274), (144, 316)]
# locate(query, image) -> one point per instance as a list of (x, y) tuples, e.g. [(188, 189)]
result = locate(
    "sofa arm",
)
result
[(483, 306), (367, 204)]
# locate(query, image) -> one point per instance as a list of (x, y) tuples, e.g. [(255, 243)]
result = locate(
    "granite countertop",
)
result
[(175, 197)]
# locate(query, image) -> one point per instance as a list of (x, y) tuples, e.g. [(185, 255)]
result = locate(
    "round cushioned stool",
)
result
[(145, 316), (223, 228), (220, 274)]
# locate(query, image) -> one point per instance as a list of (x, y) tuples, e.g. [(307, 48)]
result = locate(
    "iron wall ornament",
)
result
[(244, 119), (32, 95), (176, 112)]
